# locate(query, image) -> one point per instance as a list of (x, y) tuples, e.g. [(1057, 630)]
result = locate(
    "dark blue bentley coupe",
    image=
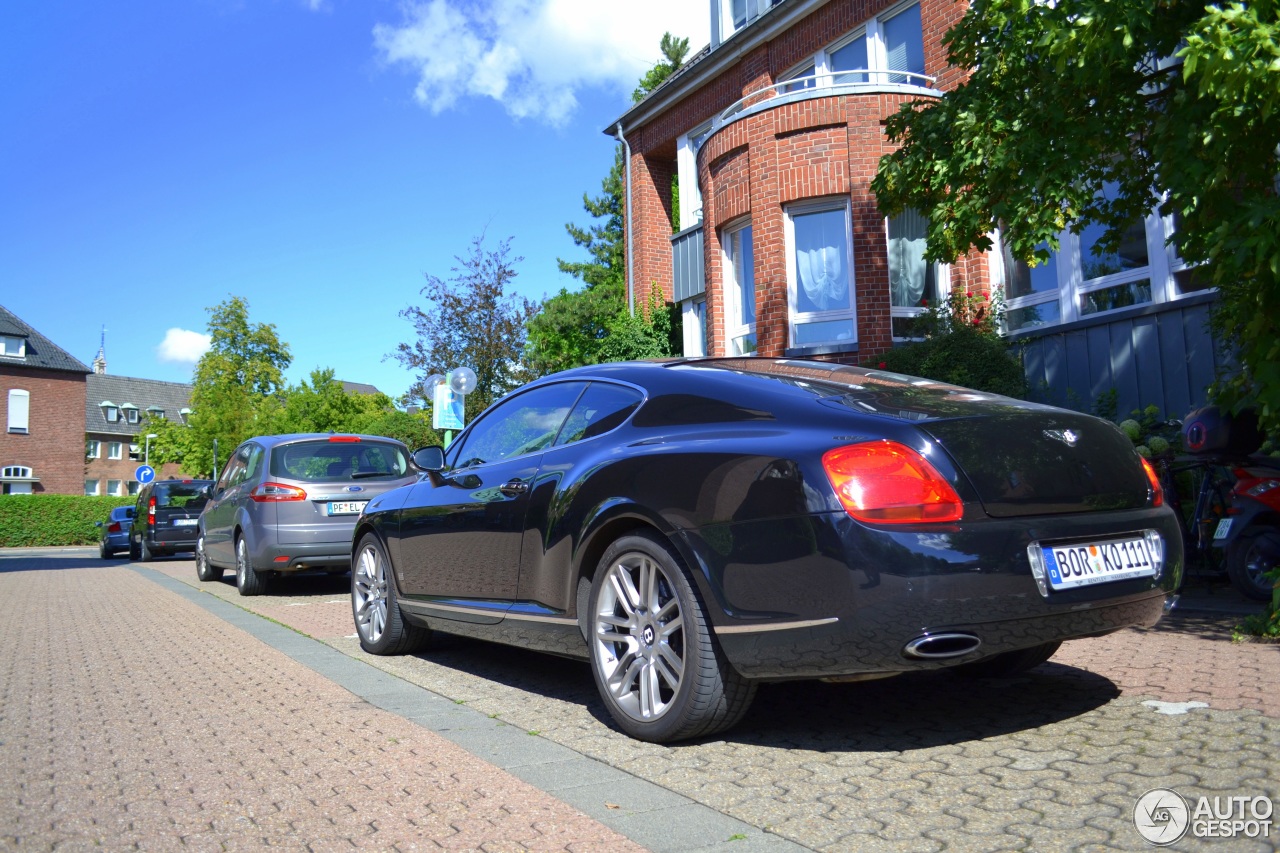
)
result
[(696, 527)]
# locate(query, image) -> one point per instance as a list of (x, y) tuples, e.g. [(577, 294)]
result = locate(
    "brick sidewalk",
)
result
[(133, 719)]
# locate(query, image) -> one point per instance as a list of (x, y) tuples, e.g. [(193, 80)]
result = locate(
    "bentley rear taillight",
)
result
[(1157, 492), (884, 482)]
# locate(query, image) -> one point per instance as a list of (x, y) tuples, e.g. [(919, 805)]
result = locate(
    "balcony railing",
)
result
[(853, 82)]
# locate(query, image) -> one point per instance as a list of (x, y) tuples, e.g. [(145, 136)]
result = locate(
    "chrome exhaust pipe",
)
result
[(941, 646)]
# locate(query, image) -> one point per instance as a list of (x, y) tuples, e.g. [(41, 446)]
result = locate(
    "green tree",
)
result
[(1172, 101), (323, 405), (472, 320), (235, 391), (674, 50), (574, 327)]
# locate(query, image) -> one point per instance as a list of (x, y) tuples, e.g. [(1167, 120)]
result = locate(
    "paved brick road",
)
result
[(1053, 760), (133, 719)]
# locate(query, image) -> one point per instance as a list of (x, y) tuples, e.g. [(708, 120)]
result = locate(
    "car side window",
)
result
[(526, 423), (253, 465), (601, 408)]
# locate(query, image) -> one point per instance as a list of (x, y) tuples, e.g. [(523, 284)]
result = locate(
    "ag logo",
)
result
[(1161, 816)]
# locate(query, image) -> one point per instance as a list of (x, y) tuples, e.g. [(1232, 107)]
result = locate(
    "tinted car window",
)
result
[(601, 408), (526, 423), (324, 460), (180, 495)]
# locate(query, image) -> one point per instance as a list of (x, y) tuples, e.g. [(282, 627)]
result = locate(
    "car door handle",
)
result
[(514, 488)]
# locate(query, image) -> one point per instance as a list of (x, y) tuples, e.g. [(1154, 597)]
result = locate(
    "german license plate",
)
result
[(185, 522), (1088, 563), (1224, 528), (345, 507)]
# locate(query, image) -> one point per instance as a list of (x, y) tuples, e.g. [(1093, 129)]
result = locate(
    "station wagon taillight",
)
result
[(884, 482), (276, 492), (114, 527), (151, 509)]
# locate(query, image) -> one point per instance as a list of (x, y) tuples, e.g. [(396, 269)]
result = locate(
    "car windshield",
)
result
[(182, 495), (326, 461)]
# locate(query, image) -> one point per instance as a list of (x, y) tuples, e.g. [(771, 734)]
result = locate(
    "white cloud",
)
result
[(533, 56), (182, 345)]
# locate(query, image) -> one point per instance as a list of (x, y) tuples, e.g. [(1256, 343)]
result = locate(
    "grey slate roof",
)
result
[(123, 390), (358, 387), (42, 353)]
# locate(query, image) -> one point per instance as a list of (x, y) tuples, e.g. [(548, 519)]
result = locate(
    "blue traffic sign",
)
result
[(145, 474)]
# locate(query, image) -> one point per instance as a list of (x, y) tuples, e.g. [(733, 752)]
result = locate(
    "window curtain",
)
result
[(820, 252), (908, 271)]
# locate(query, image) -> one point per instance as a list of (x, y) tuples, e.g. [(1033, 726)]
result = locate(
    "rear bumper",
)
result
[(173, 541), (822, 596), (836, 648), (297, 558)]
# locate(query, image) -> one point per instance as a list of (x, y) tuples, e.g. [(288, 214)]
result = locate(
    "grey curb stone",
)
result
[(646, 813)]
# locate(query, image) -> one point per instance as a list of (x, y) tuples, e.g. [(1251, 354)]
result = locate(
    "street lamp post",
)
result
[(146, 454)]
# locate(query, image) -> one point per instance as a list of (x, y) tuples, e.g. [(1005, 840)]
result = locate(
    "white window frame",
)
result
[(13, 346), (736, 331), (115, 450), (93, 449), (135, 452), (131, 414), (795, 317), (115, 488), (111, 413), (92, 487), (694, 315), (1072, 288), (941, 278), (879, 73), (687, 147), (725, 10), (19, 411)]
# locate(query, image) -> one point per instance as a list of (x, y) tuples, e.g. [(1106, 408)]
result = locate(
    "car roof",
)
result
[(275, 440)]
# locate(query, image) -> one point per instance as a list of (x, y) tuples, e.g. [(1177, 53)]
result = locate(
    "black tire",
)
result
[(205, 570), (145, 551), (375, 608), (646, 618), (1007, 663), (104, 552), (249, 581), (134, 554), (1250, 556)]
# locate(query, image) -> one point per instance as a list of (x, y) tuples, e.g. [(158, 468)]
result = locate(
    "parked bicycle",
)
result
[(1210, 482), (1241, 536)]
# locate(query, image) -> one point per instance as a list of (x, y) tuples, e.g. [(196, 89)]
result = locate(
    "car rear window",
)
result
[(327, 461), (180, 495)]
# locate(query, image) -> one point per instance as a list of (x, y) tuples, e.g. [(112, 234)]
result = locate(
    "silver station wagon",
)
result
[(288, 503)]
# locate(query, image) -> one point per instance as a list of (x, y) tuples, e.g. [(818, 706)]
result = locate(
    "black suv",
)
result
[(166, 517)]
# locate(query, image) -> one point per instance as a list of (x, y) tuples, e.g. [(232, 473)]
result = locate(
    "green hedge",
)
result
[(34, 520)]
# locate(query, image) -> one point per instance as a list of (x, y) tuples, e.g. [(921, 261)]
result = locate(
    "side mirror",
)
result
[(429, 458), (97, 524), (129, 512)]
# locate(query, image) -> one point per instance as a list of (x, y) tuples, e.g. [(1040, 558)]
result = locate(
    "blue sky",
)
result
[(316, 158)]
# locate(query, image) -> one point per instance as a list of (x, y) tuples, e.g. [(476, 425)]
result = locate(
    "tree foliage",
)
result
[(321, 404), (1170, 103), (235, 391), (471, 320), (594, 324), (674, 50)]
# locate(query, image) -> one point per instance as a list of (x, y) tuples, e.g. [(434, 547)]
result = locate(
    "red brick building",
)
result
[(775, 132), (42, 390)]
